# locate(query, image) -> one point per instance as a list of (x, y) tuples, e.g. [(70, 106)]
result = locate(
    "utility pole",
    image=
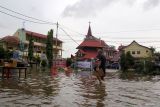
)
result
[(22, 39), (56, 41)]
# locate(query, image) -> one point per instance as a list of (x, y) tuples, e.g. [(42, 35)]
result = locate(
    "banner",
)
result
[(59, 63), (84, 64)]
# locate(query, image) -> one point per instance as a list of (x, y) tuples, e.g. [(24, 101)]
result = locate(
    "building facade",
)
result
[(88, 49), (138, 51), (20, 41), (9, 42)]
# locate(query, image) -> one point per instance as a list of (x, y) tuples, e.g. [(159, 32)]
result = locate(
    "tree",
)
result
[(2, 53), (123, 61), (126, 61), (49, 47), (30, 49), (152, 49), (129, 60)]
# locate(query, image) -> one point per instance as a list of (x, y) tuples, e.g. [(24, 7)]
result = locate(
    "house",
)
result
[(20, 39), (117, 54), (39, 42), (138, 51), (9, 42)]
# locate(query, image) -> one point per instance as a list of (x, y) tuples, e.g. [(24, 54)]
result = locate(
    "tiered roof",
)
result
[(90, 42)]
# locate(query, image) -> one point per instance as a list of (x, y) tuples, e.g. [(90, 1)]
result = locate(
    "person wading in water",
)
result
[(102, 62)]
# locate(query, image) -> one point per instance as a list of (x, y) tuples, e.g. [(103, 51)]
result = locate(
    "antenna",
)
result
[(89, 23), (23, 25)]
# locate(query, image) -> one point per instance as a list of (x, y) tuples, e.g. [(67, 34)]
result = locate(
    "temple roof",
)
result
[(89, 31), (92, 43)]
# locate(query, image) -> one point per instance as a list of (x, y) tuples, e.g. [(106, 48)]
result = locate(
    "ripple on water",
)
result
[(41, 89)]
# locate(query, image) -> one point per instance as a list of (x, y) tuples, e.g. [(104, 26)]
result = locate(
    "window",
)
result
[(138, 52), (133, 52), (146, 51)]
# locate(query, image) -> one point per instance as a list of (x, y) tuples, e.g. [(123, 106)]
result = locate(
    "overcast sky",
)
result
[(114, 21)]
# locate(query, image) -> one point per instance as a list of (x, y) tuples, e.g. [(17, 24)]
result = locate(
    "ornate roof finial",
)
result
[(89, 23), (89, 30)]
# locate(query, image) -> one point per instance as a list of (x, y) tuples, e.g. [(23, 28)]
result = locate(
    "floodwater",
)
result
[(79, 89)]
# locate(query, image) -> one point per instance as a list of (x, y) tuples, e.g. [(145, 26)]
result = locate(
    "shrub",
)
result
[(36, 59), (126, 61), (2, 53), (139, 67), (43, 63)]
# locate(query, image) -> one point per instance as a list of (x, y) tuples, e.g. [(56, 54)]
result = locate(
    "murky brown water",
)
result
[(41, 89)]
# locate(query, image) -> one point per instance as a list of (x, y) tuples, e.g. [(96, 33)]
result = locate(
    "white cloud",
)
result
[(148, 4), (85, 8)]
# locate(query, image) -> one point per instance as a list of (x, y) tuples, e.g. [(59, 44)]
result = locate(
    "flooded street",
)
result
[(41, 89)]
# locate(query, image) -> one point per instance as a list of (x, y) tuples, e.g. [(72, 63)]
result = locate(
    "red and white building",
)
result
[(89, 47)]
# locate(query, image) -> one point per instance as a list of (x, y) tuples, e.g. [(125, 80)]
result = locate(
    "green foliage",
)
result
[(68, 62), (8, 54), (5, 54), (126, 61), (123, 62), (130, 75), (152, 49), (43, 63), (2, 53), (49, 47), (36, 59), (30, 49), (139, 67), (146, 67), (129, 60)]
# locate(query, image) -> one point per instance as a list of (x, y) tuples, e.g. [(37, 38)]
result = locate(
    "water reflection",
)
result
[(80, 89), (92, 92)]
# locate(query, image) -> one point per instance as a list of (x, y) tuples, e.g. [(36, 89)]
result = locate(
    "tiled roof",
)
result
[(39, 35), (81, 51), (11, 39), (137, 44), (92, 43)]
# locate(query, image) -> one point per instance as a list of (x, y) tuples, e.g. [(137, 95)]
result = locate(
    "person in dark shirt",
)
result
[(102, 60)]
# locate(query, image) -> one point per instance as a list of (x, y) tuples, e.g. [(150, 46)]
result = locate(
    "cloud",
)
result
[(148, 4), (130, 2), (85, 8)]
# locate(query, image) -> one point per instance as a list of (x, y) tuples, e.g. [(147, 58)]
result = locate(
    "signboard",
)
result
[(59, 63), (84, 64)]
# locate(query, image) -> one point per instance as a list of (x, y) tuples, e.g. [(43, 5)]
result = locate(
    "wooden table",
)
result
[(8, 70), (33, 63)]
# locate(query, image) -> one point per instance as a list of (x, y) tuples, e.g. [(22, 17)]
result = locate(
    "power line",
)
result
[(44, 22), (26, 15), (72, 30), (21, 18), (51, 23), (69, 35), (141, 30)]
